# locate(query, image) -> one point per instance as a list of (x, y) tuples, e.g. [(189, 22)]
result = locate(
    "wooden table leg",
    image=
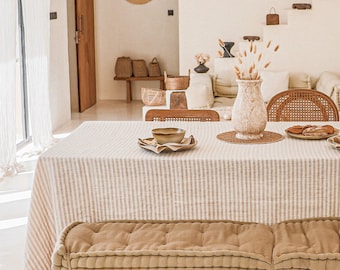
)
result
[(128, 91), (161, 84)]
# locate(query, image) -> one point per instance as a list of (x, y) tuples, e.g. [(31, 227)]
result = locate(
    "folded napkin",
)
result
[(152, 145), (334, 141)]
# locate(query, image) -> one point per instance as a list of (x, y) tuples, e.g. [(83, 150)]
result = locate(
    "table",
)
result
[(148, 78), (100, 173)]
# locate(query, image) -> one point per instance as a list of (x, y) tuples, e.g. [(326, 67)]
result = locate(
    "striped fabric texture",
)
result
[(100, 173)]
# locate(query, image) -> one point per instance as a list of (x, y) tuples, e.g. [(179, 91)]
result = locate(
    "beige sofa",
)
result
[(218, 91)]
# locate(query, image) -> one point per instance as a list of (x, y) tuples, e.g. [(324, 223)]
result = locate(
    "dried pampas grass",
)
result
[(250, 62)]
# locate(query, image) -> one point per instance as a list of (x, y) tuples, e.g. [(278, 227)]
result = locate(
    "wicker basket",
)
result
[(123, 67), (176, 82), (139, 68), (272, 18), (153, 96), (154, 68)]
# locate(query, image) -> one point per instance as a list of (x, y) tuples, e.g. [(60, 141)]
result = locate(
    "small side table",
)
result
[(130, 79)]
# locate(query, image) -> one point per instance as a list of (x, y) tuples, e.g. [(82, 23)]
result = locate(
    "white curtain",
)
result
[(37, 41), (8, 23)]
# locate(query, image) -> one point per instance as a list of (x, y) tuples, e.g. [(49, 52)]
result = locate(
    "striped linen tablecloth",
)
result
[(100, 173)]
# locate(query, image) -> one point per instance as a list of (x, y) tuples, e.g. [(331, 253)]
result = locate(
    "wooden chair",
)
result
[(182, 115), (302, 105)]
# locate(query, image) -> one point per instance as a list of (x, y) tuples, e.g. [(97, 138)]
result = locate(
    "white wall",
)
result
[(59, 66), (138, 31), (309, 42), (309, 39)]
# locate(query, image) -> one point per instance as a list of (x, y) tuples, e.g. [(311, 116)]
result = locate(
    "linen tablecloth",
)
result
[(100, 173)]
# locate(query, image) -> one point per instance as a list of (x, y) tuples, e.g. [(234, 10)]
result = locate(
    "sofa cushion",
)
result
[(327, 82), (273, 82), (199, 94), (225, 85), (299, 80)]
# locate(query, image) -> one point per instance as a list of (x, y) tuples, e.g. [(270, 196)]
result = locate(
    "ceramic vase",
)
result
[(249, 114), (227, 48), (201, 68)]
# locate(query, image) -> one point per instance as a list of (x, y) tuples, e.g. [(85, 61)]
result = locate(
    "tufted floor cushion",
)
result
[(307, 244), (161, 244)]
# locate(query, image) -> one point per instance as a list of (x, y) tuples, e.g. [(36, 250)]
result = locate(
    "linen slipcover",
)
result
[(311, 244), (164, 244)]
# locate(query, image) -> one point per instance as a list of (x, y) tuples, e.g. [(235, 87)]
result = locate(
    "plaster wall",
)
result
[(59, 66), (308, 39), (138, 31)]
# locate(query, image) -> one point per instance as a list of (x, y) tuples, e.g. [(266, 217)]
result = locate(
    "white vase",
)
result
[(249, 114)]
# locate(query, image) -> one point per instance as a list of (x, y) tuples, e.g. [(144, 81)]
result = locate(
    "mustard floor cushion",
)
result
[(161, 244)]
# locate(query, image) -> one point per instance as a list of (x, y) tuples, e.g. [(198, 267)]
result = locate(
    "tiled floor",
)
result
[(15, 192)]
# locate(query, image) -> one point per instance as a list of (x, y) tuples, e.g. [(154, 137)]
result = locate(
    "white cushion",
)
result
[(327, 82), (224, 106), (199, 94), (226, 85), (273, 82), (201, 78), (299, 80)]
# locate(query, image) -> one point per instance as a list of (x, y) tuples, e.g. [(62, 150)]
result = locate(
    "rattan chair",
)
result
[(182, 115), (302, 105)]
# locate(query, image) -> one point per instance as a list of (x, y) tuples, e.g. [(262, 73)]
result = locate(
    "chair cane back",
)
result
[(182, 115), (301, 105)]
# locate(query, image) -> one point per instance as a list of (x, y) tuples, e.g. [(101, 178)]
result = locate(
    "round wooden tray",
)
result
[(268, 137)]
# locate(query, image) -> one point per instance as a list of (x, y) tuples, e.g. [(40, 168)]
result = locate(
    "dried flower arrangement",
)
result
[(202, 58), (250, 62)]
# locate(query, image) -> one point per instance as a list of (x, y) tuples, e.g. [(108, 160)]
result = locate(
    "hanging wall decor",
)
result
[(302, 6), (226, 46)]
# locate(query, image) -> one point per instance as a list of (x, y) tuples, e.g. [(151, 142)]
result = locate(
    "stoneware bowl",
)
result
[(168, 135)]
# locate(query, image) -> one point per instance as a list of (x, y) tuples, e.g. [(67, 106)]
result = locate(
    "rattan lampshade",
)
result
[(139, 2)]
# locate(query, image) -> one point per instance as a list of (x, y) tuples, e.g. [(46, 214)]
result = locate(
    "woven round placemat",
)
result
[(268, 137)]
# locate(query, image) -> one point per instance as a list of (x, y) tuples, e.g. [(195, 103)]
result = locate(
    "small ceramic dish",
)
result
[(334, 141), (168, 135), (152, 145)]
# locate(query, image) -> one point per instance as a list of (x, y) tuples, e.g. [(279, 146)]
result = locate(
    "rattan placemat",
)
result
[(268, 137)]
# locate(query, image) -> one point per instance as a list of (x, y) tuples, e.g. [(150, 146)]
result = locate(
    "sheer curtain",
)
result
[(37, 41), (8, 23)]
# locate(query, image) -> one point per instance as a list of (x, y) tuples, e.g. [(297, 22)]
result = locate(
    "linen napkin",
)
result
[(152, 145)]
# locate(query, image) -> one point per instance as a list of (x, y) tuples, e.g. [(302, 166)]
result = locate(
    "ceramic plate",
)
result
[(151, 144), (300, 136), (333, 143)]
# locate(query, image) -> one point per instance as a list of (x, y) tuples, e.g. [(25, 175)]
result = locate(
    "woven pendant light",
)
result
[(138, 2)]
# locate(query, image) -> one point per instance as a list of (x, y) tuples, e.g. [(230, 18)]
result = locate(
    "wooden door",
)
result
[(85, 53)]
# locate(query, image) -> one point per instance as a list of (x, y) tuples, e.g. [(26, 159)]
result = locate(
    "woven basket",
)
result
[(139, 68), (176, 82), (154, 68), (272, 18), (123, 67), (153, 96)]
